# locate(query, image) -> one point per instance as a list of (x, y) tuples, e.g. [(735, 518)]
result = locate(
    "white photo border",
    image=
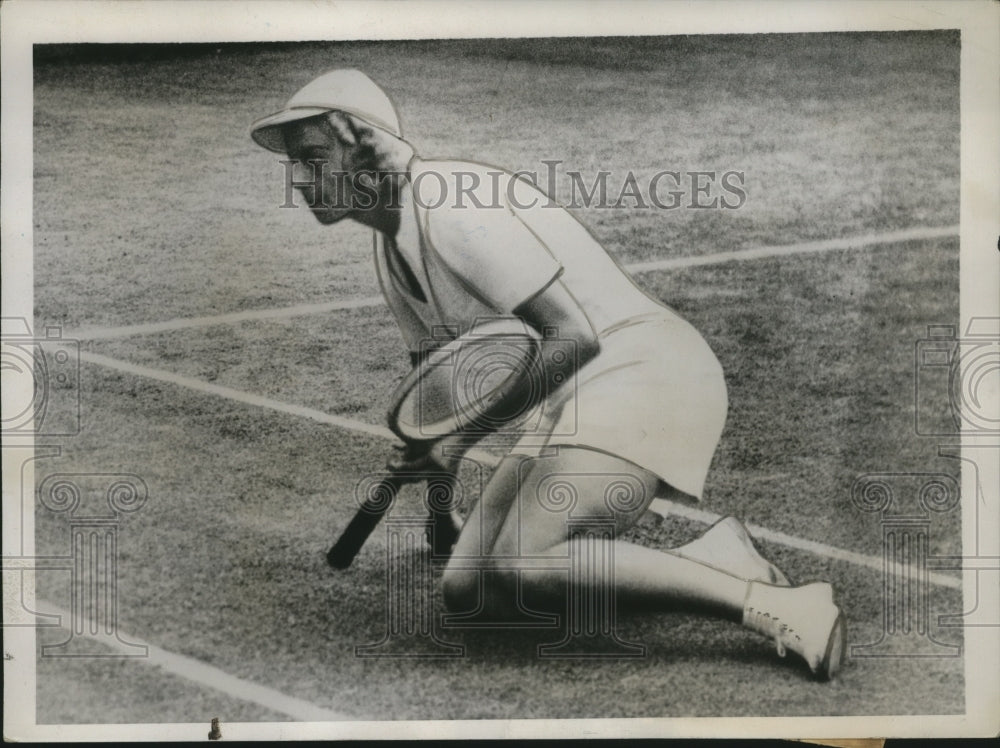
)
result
[(27, 23)]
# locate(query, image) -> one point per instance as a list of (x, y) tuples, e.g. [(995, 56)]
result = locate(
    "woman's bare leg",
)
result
[(541, 500), (644, 578)]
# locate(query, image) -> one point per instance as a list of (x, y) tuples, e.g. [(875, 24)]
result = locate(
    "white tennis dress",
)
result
[(655, 393)]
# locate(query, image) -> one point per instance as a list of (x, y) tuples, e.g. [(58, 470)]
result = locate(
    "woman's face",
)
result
[(319, 171)]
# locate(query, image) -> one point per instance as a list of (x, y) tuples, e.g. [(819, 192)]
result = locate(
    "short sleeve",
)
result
[(492, 252)]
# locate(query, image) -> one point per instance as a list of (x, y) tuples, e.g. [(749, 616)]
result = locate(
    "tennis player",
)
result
[(456, 242)]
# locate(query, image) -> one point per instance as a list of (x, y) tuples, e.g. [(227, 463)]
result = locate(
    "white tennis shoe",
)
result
[(802, 619)]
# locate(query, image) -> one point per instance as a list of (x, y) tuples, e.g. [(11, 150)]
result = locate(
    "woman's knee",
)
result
[(468, 589), (465, 590), (574, 485)]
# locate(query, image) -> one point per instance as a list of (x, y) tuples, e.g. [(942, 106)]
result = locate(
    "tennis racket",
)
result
[(476, 383), (488, 379)]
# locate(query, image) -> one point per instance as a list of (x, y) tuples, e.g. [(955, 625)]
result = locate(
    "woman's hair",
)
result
[(369, 148)]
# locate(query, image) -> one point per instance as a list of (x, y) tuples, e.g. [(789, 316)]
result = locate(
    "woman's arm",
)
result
[(557, 316), (559, 319)]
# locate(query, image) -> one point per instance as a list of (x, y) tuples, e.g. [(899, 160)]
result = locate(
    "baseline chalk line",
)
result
[(784, 250), (184, 323), (300, 310), (201, 673), (229, 393), (663, 507)]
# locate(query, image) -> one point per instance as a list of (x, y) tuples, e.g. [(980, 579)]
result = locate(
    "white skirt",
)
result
[(654, 395)]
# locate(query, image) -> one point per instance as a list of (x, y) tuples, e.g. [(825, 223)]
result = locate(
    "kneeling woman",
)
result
[(457, 242)]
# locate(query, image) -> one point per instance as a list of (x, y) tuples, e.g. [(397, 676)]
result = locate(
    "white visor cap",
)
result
[(349, 91)]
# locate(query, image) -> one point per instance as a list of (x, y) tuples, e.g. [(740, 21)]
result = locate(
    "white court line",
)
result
[(827, 245), (202, 674), (857, 242), (237, 395), (663, 507), (184, 323), (810, 546)]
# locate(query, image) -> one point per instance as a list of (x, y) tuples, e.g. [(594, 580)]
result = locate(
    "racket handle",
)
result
[(364, 522)]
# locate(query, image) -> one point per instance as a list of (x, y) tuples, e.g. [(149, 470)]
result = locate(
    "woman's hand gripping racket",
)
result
[(483, 381)]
